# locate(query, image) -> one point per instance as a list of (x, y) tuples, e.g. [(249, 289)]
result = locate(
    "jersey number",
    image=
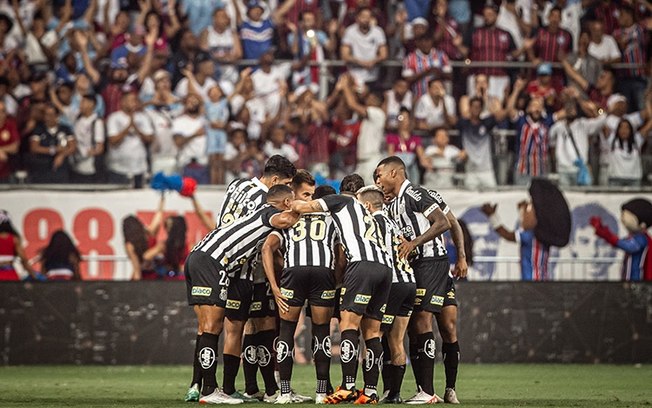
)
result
[(317, 230), (372, 233), (227, 219)]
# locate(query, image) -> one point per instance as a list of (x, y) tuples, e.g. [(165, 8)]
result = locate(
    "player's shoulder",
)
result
[(415, 192)]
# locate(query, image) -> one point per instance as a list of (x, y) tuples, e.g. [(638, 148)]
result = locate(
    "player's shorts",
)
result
[(435, 286), (263, 303), (315, 284), (206, 284), (239, 299), (400, 303), (365, 289)]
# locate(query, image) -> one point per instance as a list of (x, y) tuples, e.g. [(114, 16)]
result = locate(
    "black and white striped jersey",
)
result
[(401, 270), (242, 197), (310, 242), (410, 210), (359, 231), (232, 245)]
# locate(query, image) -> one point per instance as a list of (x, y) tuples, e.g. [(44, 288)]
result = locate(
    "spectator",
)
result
[(61, 97), (129, 133), (189, 131), (223, 45), (310, 45), (235, 152), (406, 145), (363, 46), (582, 63), (608, 12), (410, 31), (477, 142), (182, 59), (632, 40), (270, 84), (277, 145), (89, 136), (435, 108), (441, 160), (199, 81), (448, 31), (217, 116), (257, 27), (60, 259), (551, 42), (11, 247), (50, 145), (399, 96), (625, 156), (571, 15), (543, 87), (599, 93), (83, 87), (512, 19), (9, 143), (378, 16), (199, 13), (603, 46), (480, 86), (425, 64)]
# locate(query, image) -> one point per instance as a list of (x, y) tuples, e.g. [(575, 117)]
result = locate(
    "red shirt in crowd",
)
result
[(8, 135), (548, 45), (491, 44)]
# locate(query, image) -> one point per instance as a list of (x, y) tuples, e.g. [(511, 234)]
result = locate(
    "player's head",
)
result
[(280, 196), (351, 184), (371, 197), (390, 174), (278, 170), (583, 241), (485, 241), (303, 184), (5, 224), (323, 191)]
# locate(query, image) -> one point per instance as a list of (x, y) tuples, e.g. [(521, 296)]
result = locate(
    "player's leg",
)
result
[(265, 334), (210, 323), (321, 349), (195, 384), (447, 323), (238, 302), (284, 350), (250, 360), (395, 339), (422, 344)]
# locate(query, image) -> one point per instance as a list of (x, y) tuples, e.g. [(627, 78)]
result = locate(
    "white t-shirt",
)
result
[(87, 138), (394, 106), (33, 51), (581, 129), (221, 45), (606, 50), (624, 164), (186, 126), (181, 91), (443, 166), (364, 47), (285, 150), (163, 145), (130, 156), (268, 84), (611, 124), (372, 133), (434, 115)]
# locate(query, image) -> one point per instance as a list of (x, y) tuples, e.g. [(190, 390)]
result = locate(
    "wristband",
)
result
[(494, 221)]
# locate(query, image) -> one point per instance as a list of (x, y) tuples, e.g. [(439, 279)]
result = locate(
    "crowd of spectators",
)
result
[(96, 91)]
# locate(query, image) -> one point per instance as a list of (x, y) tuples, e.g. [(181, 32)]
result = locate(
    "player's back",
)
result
[(401, 269), (242, 197)]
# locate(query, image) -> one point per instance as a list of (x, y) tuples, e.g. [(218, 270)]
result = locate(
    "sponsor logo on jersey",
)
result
[(288, 293), (362, 299), (249, 354), (264, 356), (232, 304), (347, 351), (201, 291), (256, 307), (416, 195), (206, 357), (388, 319), (328, 294), (437, 300), (421, 292)]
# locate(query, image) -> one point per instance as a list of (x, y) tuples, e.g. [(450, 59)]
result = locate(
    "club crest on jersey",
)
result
[(429, 348), (206, 357), (250, 354), (288, 293), (328, 294), (256, 307), (264, 356), (223, 294), (369, 360), (347, 351), (201, 291), (232, 304), (437, 300), (362, 299), (282, 351)]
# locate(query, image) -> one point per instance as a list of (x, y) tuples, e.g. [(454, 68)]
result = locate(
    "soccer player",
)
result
[(422, 217), (308, 274), (366, 285), (402, 295), (211, 266)]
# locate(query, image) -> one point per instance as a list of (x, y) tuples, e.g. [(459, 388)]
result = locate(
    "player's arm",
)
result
[(496, 223), (461, 267), (303, 207), (438, 225), (284, 219), (269, 248), (340, 263)]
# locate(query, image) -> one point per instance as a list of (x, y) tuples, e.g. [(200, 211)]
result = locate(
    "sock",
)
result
[(284, 357), (414, 358), (373, 363), (427, 361), (451, 355), (388, 368), (231, 366), (321, 354), (349, 357), (196, 367), (207, 358), (250, 364), (267, 359), (397, 380)]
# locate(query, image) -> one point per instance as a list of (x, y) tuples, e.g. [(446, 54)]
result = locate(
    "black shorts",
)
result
[(263, 303), (435, 286), (246, 299), (315, 284), (365, 289), (400, 303), (206, 284)]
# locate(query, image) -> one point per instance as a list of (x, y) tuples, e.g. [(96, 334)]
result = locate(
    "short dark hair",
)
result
[(351, 183), (278, 191), (363, 8), (392, 160), (375, 197), (323, 191), (476, 99), (556, 8), (302, 177), (279, 166)]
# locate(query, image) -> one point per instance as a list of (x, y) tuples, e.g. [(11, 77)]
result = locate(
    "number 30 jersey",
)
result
[(310, 242)]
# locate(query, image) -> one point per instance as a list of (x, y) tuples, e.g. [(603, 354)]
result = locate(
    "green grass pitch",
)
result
[(506, 385)]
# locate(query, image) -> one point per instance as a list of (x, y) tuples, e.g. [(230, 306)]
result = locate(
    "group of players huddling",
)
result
[(280, 242)]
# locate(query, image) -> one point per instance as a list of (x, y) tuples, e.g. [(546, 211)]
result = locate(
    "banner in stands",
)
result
[(94, 220)]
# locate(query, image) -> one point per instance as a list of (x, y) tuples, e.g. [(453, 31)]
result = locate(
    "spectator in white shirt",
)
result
[(129, 133), (223, 44), (363, 46), (441, 159), (89, 134), (189, 131), (396, 98), (270, 82), (201, 81), (277, 145), (603, 46), (435, 109), (625, 168)]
